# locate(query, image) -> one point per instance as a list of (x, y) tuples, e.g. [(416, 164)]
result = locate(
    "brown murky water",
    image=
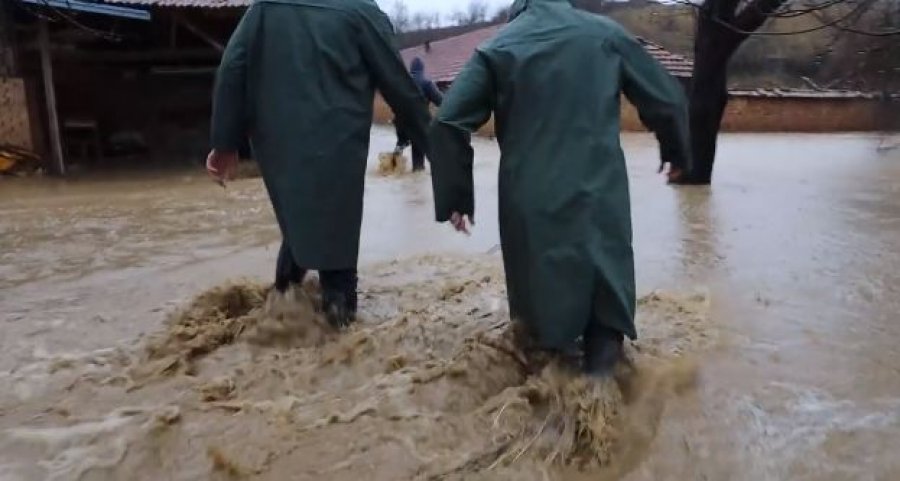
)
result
[(769, 352)]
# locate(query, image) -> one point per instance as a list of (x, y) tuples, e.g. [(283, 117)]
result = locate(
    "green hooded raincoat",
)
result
[(553, 79), (299, 77)]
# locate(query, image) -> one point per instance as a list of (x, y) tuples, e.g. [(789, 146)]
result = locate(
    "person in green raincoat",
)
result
[(553, 78), (299, 78)]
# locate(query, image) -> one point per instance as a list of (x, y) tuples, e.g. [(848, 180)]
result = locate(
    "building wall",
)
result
[(767, 114), (771, 114), (15, 125)]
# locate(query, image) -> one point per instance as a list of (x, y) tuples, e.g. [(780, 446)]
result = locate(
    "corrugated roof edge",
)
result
[(94, 7), (185, 3)]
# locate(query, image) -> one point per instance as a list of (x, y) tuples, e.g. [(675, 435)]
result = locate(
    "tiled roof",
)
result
[(677, 65), (810, 94), (447, 57)]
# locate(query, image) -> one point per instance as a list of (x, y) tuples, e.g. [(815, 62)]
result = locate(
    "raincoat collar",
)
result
[(520, 6)]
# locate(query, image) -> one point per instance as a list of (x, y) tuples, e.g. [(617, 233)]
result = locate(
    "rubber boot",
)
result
[(337, 311), (287, 272), (339, 296), (603, 349)]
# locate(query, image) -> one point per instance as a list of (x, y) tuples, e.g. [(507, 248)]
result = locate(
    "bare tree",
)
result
[(417, 22), (476, 12), (722, 27), (399, 16), (501, 15), (458, 17), (425, 21)]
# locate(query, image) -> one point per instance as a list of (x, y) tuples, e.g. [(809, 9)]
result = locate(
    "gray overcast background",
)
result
[(443, 7)]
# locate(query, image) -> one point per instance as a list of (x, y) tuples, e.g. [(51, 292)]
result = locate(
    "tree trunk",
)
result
[(713, 47), (709, 96)]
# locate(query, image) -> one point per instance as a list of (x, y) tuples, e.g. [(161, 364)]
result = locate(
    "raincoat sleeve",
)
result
[(467, 106), (229, 118), (392, 79), (433, 94), (659, 99)]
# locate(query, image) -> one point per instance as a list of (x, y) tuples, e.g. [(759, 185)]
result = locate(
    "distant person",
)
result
[(553, 78), (433, 96), (299, 77)]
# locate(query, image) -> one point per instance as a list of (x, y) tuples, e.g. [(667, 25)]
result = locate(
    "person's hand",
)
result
[(459, 222), (221, 165)]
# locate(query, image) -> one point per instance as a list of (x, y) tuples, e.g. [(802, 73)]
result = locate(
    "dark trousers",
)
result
[(418, 155), (338, 286), (418, 158)]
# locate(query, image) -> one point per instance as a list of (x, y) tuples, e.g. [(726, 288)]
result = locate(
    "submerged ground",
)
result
[(769, 320)]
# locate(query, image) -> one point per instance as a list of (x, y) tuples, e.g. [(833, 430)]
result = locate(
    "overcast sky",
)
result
[(442, 6)]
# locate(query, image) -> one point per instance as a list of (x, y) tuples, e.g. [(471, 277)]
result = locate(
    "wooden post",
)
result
[(173, 31), (58, 165)]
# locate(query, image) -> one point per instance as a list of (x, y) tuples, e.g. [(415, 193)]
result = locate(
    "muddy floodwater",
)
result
[(138, 340)]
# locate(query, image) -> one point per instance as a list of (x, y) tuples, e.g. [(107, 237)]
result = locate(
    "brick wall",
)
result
[(769, 114)]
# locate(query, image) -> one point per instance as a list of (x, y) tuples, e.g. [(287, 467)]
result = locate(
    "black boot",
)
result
[(339, 297), (287, 272), (337, 310), (603, 349)]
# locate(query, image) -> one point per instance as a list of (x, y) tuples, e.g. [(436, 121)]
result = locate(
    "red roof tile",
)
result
[(677, 65), (447, 57), (811, 94)]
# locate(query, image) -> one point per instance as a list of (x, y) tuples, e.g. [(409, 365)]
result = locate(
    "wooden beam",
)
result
[(58, 164), (190, 27), (159, 55)]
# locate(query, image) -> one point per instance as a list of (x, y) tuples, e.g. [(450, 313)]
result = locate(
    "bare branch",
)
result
[(857, 31), (886, 33), (799, 12), (750, 19)]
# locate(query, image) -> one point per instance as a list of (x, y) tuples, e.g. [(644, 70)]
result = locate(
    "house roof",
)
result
[(677, 65), (446, 58), (93, 7), (782, 93)]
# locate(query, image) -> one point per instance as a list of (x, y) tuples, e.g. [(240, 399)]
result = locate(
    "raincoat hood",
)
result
[(520, 6), (417, 67)]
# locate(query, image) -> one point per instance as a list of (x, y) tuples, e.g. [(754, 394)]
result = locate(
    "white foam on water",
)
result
[(72, 451)]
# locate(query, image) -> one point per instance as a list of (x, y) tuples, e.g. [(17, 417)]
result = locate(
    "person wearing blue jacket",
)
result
[(431, 93)]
